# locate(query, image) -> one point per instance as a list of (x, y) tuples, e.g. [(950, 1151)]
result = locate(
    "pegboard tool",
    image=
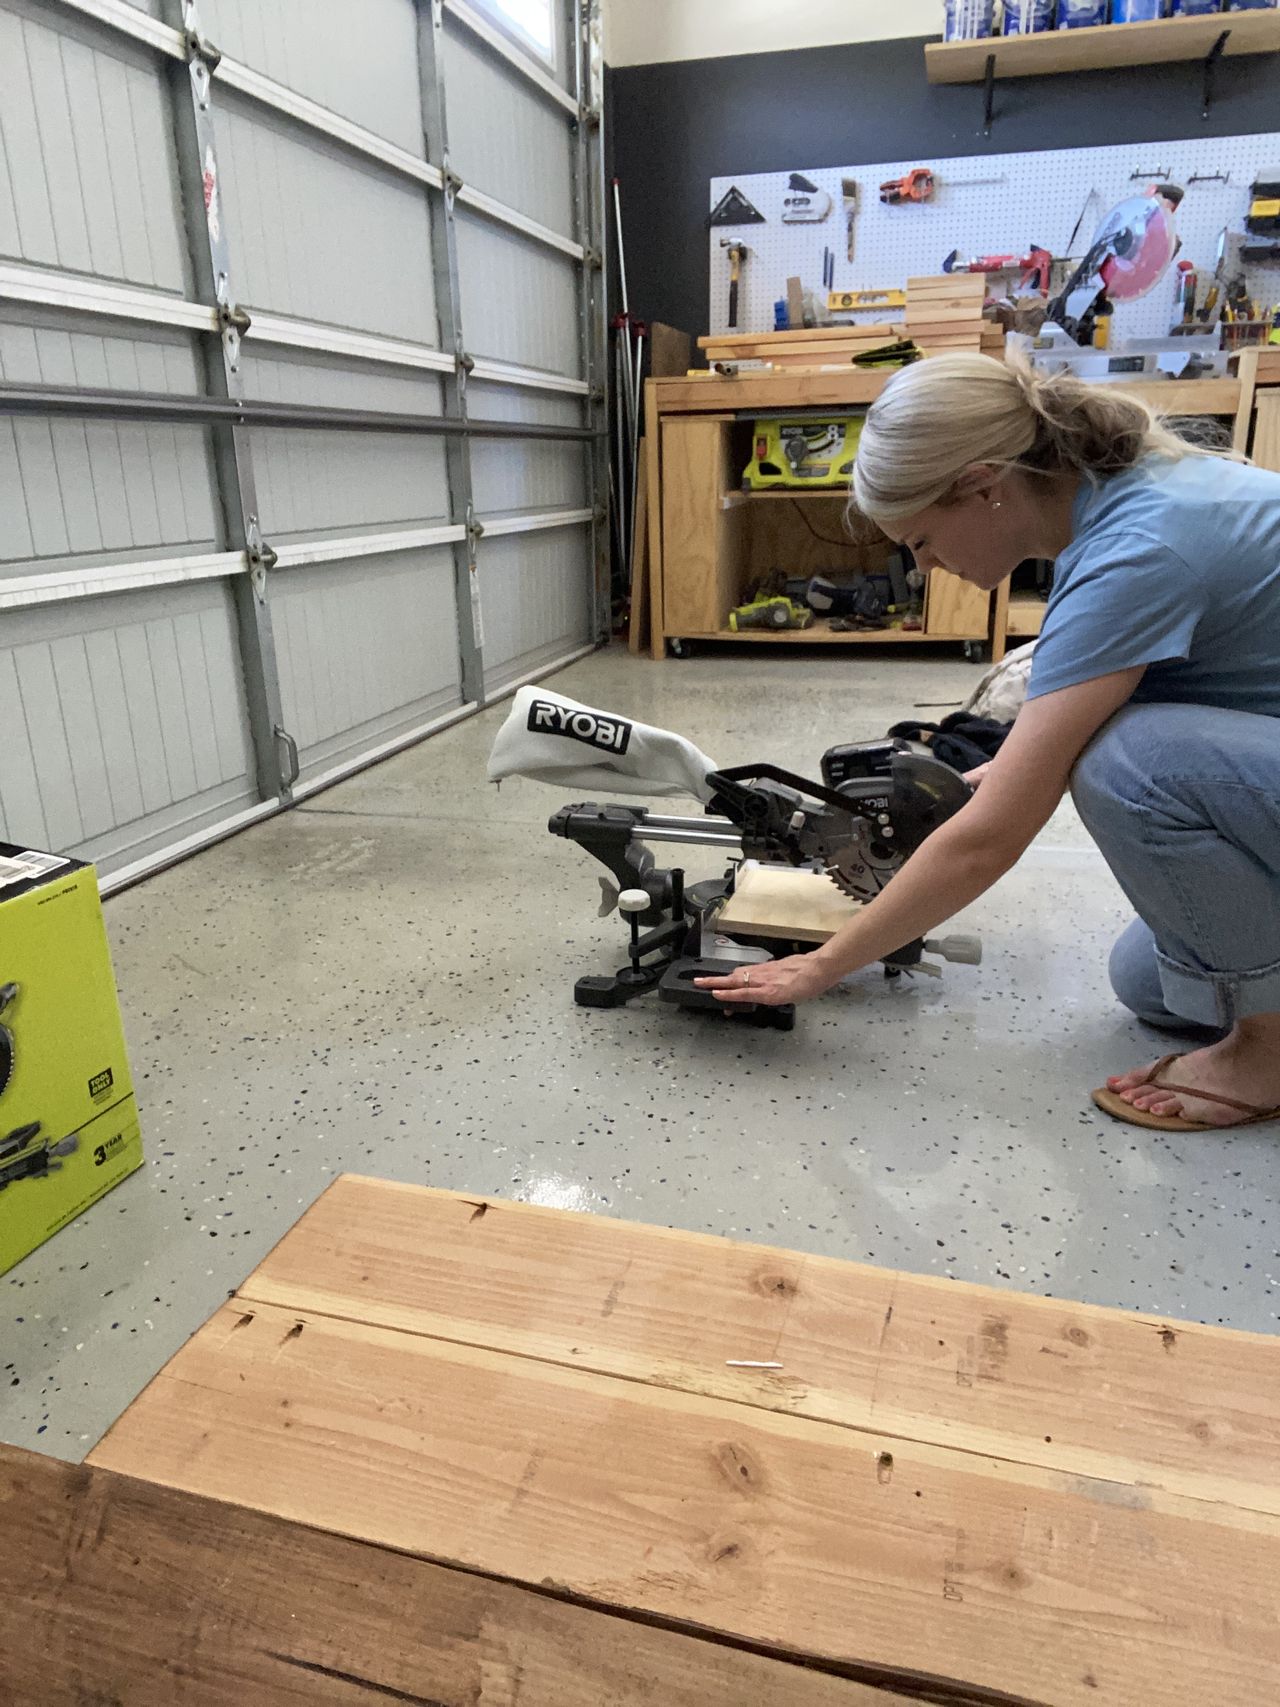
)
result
[(738, 253), (733, 208), (852, 301)]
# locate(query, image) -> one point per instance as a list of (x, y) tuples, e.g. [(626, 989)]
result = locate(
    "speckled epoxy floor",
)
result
[(381, 981)]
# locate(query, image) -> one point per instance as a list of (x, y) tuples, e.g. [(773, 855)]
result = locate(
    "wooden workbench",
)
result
[(707, 541), (445, 1449)]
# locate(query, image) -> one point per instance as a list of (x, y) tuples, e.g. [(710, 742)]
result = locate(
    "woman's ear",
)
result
[(979, 482)]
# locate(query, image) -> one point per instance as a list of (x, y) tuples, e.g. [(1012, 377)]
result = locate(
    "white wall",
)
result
[(644, 32)]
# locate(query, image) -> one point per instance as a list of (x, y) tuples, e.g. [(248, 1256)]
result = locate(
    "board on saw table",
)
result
[(781, 902), (893, 1487)]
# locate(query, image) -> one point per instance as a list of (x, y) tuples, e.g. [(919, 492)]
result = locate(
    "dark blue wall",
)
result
[(674, 127)]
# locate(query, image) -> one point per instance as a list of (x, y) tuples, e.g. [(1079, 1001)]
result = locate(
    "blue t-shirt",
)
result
[(1175, 565)]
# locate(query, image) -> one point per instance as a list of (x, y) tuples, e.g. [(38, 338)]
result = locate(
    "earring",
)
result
[(995, 503)]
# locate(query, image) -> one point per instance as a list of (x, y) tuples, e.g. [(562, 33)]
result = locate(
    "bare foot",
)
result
[(1245, 1066)]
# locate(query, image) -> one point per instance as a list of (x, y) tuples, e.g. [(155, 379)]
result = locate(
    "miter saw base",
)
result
[(878, 801)]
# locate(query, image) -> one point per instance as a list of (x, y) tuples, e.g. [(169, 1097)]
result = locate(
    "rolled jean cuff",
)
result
[(1218, 998)]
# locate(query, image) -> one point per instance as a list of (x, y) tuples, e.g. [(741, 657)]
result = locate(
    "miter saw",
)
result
[(1130, 252), (876, 803)]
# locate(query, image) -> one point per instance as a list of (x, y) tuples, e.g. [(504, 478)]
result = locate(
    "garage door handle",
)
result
[(290, 746)]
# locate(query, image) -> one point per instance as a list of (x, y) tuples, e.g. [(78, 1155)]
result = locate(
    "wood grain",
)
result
[(1157, 42), (1266, 429), (1088, 1391), (638, 613), (776, 901), (952, 606), (700, 570), (118, 1591), (878, 1556), (653, 530)]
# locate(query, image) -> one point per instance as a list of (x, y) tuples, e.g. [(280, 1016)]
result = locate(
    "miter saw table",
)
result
[(877, 802)]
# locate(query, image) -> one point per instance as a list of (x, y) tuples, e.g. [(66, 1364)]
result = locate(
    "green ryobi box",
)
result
[(68, 1122)]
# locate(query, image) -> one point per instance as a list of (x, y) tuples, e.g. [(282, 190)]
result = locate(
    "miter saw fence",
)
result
[(876, 803)]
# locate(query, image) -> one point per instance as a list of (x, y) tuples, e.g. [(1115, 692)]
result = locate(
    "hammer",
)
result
[(738, 253)]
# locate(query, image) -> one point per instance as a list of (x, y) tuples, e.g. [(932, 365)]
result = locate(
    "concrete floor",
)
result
[(381, 981)]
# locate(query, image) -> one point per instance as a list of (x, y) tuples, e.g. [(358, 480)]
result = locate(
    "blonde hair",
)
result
[(946, 414)]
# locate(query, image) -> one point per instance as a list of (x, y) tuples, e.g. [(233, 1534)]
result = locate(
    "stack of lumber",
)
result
[(945, 313), (810, 347), (463, 1452)]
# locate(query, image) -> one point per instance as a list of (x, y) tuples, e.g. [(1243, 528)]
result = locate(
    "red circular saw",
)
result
[(1130, 252)]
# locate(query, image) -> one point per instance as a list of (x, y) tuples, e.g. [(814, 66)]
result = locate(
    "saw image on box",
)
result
[(848, 834)]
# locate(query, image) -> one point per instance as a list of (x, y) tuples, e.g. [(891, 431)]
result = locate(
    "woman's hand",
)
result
[(772, 983), (974, 777)]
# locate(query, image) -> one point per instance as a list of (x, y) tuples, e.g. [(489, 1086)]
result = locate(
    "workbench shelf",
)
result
[(710, 544), (1158, 42), (732, 500)]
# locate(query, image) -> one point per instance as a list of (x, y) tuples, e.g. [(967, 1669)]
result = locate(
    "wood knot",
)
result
[(773, 1285), (1077, 1336), (738, 1467)]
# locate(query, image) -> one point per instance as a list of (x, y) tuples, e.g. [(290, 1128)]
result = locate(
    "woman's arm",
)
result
[(965, 856)]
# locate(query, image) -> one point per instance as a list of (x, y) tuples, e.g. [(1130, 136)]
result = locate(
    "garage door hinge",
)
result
[(475, 528), (199, 48), (261, 557), (589, 116), (592, 258), (452, 184)]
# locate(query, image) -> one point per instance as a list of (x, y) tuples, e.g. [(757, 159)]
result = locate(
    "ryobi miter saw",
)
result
[(876, 803)]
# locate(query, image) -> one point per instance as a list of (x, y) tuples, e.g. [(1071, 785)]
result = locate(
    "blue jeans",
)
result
[(1184, 802)]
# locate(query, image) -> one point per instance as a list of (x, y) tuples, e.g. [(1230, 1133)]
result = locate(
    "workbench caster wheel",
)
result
[(680, 648), (974, 651)]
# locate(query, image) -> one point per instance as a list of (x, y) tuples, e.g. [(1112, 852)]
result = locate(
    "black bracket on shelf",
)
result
[(989, 93), (1210, 61)]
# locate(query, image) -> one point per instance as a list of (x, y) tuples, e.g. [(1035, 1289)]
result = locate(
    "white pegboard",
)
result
[(1036, 200)]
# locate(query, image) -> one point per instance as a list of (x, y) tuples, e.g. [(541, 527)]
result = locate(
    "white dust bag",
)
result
[(553, 739)]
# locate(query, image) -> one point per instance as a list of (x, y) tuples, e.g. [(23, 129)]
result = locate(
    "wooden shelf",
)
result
[(821, 635), (789, 495), (1026, 613), (1156, 43)]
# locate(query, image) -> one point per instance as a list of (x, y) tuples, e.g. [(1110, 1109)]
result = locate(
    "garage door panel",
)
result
[(319, 232), (521, 474), (364, 67), (333, 382), (535, 591), (312, 483), (504, 137), (133, 709), (94, 486), (88, 143), (368, 649), (520, 300)]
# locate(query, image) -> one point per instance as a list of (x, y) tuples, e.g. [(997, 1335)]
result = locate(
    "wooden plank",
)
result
[(943, 311), (1188, 396), (638, 614), (699, 572), (1085, 1390), (1266, 430), (1242, 427), (653, 497), (834, 334), (999, 622), (767, 391), (1026, 614), (952, 606), (948, 284), (1159, 42), (821, 635), (156, 1598), (875, 1555), (670, 351), (780, 902)]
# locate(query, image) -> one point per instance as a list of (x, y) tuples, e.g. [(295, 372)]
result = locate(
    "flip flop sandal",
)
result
[(1119, 1109)]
